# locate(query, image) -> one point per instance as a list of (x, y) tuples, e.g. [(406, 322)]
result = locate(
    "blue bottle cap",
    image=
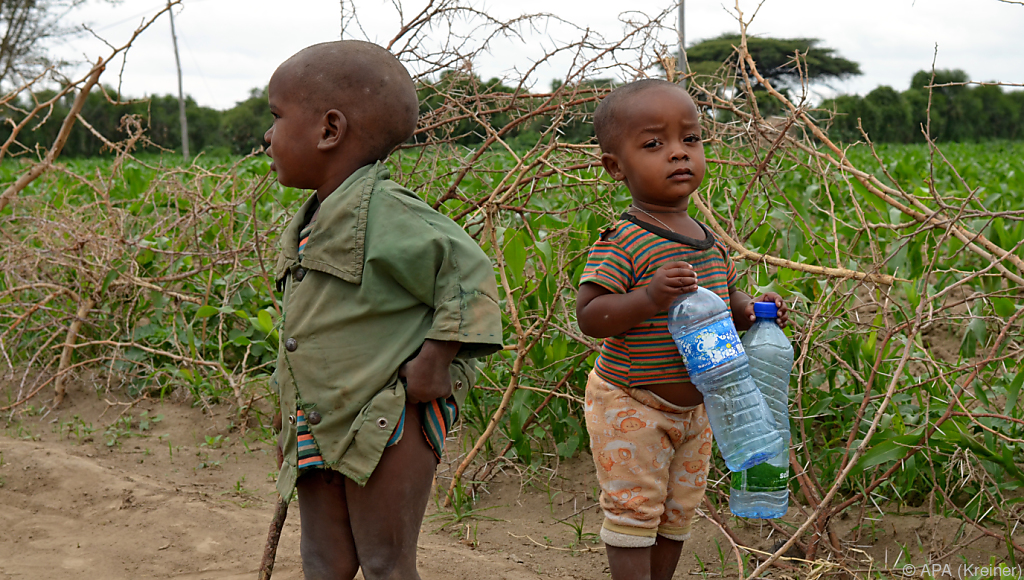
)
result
[(766, 310)]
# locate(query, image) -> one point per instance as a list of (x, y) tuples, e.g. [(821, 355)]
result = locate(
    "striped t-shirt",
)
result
[(626, 257)]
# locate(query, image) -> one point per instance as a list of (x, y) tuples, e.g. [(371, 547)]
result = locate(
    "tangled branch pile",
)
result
[(904, 275)]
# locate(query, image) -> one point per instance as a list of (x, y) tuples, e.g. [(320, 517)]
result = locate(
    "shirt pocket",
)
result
[(281, 271)]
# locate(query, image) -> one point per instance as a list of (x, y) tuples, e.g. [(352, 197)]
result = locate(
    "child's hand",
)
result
[(670, 281), (426, 376), (783, 316)]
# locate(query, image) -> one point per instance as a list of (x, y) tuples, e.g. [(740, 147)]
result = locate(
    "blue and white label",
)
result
[(710, 346)]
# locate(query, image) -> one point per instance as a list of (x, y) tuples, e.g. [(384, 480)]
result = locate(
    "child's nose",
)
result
[(268, 134)]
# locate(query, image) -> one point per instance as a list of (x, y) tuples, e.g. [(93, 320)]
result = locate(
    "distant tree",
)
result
[(889, 116), (941, 102), (25, 26), (774, 58), (244, 124)]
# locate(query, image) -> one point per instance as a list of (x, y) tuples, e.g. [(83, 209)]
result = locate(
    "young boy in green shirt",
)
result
[(385, 302)]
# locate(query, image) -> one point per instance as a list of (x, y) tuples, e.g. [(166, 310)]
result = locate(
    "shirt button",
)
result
[(458, 385), (300, 273), (291, 344), (382, 422), (291, 419), (314, 418)]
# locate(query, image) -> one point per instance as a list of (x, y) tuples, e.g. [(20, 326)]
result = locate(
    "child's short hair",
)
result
[(366, 83), (609, 113)]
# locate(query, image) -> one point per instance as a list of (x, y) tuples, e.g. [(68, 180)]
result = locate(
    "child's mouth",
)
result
[(681, 174)]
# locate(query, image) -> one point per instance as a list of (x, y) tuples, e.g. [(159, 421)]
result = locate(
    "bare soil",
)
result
[(192, 497)]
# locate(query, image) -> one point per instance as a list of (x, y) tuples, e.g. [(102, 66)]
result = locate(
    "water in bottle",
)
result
[(702, 327), (763, 490)]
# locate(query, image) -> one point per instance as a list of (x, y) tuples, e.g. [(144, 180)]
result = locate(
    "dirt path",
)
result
[(187, 497)]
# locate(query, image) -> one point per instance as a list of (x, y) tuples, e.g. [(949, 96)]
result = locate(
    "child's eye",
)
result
[(651, 144), (692, 139)]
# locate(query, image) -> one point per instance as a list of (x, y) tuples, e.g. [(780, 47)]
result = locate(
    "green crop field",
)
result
[(177, 260)]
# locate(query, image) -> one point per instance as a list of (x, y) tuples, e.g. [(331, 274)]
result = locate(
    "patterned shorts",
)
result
[(652, 460), (437, 418)]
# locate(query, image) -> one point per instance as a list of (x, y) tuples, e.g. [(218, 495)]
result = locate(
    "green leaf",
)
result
[(1003, 306), (1013, 392), (544, 247), (912, 295), (979, 393), (266, 324), (206, 311), (978, 329), (818, 407), (515, 259), (888, 450), (110, 277)]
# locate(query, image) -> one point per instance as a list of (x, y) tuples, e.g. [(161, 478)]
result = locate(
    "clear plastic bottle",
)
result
[(763, 490), (702, 327)]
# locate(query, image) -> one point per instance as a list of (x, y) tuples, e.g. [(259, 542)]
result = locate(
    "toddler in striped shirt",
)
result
[(648, 429)]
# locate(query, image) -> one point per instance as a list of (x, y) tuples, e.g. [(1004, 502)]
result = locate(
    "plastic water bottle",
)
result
[(742, 424), (763, 490)]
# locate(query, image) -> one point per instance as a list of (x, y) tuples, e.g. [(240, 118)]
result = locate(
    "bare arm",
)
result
[(602, 313)]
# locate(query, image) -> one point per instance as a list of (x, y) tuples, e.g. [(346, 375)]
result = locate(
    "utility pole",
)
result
[(181, 92), (342, 35), (681, 63)]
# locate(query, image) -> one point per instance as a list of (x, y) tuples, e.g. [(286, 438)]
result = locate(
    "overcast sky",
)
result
[(231, 46)]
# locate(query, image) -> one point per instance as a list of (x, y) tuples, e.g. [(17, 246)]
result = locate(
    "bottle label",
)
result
[(710, 346), (761, 477)]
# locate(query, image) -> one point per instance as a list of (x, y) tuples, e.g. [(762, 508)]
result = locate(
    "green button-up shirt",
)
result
[(381, 272)]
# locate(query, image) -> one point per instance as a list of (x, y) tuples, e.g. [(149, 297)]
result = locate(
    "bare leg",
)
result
[(657, 562), (328, 550), (665, 558), (386, 514), (629, 563)]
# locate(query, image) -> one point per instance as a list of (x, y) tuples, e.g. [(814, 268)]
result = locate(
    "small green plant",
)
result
[(76, 427), (239, 487), (462, 508), (722, 560), (580, 538), (146, 422), (702, 568), (24, 434), (207, 463), (214, 441), (121, 428)]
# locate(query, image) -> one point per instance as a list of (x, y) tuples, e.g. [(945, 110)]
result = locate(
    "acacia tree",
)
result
[(774, 58)]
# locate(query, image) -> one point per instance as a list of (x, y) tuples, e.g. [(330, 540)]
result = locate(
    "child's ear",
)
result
[(334, 128), (611, 165)]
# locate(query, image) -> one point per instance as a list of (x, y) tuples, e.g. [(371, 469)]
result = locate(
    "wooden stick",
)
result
[(506, 401), (69, 343), (273, 537)]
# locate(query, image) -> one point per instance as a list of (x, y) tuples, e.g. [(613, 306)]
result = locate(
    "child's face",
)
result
[(659, 154), (293, 137)]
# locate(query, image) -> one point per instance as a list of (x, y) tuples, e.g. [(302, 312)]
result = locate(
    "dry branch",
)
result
[(69, 344)]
